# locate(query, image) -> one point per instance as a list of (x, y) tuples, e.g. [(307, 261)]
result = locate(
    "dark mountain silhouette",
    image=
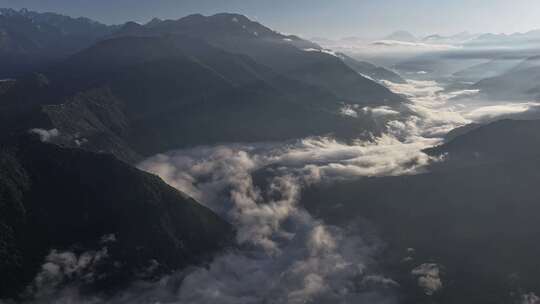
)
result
[(134, 91), (454, 133), (498, 141), (518, 83), (479, 223), (54, 198), (289, 55)]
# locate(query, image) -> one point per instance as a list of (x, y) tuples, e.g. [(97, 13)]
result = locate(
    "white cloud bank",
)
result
[(290, 257)]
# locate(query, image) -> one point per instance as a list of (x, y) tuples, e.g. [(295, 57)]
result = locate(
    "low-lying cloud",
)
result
[(45, 135), (286, 255), (61, 268), (492, 112), (366, 48), (530, 298), (292, 257)]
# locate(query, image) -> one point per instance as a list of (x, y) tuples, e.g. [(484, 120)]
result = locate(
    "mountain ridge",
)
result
[(55, 198)]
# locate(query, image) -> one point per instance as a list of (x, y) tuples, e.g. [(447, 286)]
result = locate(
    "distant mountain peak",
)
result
[(132, 24), (401, 36), (31, 14), (154, 22), (193, 17), (238, 17), (433, 37), (7, 11)]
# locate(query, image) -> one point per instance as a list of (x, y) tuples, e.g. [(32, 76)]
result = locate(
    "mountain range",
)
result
[(30, 40), (97, 99), (146, 88), (82, 103)]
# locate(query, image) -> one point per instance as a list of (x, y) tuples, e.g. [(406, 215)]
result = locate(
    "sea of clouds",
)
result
[(284, 254), (292, 256)]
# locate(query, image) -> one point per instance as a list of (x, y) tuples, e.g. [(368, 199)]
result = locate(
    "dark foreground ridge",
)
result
[(55, 200), (475, 216)]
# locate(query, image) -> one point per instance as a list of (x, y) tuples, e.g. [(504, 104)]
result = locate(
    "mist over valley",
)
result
[(211, 158)]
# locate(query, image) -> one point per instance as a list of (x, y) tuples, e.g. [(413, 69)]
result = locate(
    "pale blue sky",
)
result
[(327, 18)]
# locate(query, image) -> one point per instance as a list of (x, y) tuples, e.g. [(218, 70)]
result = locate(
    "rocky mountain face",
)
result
[(128, 224)]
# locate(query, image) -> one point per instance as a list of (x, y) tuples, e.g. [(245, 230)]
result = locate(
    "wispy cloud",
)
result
[(429, 278), (45, 135), (61, 267), (491, 112)]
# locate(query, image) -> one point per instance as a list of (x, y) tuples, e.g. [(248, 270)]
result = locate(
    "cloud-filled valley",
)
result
[(288, 256), (211, 159), (285, 254)]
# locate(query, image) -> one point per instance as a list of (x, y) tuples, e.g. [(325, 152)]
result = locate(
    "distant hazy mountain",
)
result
[(435, 37), (492, 68), (65, 24), (401, 36), (127, 224), (515, 40), (344, 45), (460, 131), (29, 40), (519, 83), (370, 70), (456, 39)]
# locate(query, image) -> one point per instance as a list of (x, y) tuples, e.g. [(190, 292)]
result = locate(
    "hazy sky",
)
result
[(326, 18)]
